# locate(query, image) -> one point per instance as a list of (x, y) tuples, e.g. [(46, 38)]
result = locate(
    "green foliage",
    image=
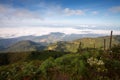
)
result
[(90, 43), (43, 55), (115, 52), (113, 67), (72, 64), (90, 64), (46, 65), (3, 59), (13, 57)]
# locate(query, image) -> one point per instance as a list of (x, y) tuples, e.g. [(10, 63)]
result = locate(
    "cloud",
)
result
[(70, 12), (95, 12), (115, 9), (11, 12), (10, 15), (43, 15), (53, 9), (38, 31)]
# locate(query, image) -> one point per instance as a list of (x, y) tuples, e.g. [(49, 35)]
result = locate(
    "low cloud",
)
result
[(70, 12), (38, 31), (115, 9)]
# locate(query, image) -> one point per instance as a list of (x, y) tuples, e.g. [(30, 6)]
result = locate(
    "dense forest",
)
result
[(86, 64)]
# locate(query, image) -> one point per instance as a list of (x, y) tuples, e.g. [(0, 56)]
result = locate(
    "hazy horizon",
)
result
[(40, 17)]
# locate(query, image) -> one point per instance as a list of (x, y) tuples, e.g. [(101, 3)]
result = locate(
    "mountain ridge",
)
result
[(72, 46), (63, 46), (44, 39), (24, 46)]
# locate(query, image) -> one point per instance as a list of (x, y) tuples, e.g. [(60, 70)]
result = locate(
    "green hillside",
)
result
[(24, 46), (85, 43), (51, 65)]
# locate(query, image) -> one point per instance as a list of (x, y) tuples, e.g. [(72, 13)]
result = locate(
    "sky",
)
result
[(39, 17)]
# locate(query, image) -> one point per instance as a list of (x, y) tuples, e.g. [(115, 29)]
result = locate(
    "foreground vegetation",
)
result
[(87, 64)]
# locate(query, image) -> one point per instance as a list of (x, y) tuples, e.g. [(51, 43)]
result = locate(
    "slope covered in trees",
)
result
[(73, 46), (83, 59), (87, 65)]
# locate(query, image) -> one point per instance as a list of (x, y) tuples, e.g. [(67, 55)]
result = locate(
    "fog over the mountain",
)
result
[(38, 31)]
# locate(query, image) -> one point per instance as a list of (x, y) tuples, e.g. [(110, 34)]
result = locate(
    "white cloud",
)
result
[(58, 10), (10, 15), (115, 9), (105, 32), (10, 12), (43, 15), (95, 12), (70, 12), (37, 31)]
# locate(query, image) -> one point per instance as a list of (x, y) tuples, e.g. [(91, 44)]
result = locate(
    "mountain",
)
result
[(72, 37), (72, 46), (49, 38), (58, 43), (44, 39), (4, 43), (23, 46)]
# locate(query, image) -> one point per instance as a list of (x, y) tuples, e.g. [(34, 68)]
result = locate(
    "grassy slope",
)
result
[(86, 43)]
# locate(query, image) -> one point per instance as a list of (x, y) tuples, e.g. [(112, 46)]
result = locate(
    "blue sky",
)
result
[(64, 14)]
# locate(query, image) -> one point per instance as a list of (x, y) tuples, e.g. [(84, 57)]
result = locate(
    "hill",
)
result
[(23, 46), (72, 46), (64, 46), (44, 39)]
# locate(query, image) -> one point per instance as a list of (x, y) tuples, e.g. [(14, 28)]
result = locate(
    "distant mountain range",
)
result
[(44, 39), (55, 43)]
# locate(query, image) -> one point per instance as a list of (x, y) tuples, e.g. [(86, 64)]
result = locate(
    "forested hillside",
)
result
[(82, 59), (91, 64), (73, 46)]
